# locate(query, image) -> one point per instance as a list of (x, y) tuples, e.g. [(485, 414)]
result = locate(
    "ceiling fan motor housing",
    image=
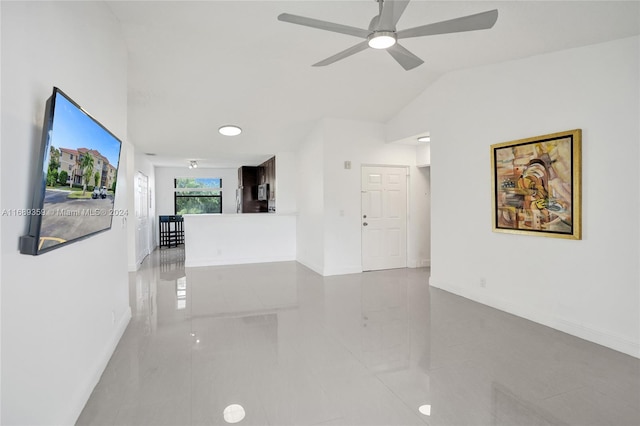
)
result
[(382, 39)]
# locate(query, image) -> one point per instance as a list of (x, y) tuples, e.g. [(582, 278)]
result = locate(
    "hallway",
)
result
[(295, 348)]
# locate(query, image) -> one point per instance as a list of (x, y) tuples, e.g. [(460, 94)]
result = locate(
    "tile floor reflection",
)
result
[(294, 348)]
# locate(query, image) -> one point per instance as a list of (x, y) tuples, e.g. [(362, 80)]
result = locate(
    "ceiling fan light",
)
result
[(382, 39)]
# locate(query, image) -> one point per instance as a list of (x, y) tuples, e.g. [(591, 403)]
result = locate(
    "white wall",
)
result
[(420, 214), (61, 316), (310, 201), (588, 288), (362, 143), (286, 183), (423, 154), (329, 201), (126, 173)]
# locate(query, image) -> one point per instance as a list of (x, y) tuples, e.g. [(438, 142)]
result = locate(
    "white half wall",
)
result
[(588, 288), (219, 239), (61, 315)]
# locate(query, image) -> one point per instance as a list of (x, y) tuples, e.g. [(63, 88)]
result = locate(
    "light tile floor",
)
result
[(294, 348)]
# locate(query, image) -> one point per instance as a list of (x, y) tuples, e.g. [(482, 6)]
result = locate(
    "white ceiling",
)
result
[(194, 66)]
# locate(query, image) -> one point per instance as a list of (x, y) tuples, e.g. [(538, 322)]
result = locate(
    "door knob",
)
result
[(365, 224)]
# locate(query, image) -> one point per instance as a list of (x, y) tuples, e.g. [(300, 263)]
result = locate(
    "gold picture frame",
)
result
[(537, 185)]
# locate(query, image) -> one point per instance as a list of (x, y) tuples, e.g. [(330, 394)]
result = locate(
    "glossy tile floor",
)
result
[(293, 348)]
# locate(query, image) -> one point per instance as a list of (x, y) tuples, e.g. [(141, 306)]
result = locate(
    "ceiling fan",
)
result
[(382, 33)]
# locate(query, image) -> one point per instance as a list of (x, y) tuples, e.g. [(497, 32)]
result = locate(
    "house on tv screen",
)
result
[(71, 160)]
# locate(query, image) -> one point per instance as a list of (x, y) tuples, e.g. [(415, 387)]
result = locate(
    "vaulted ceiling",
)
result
[(197, 65)]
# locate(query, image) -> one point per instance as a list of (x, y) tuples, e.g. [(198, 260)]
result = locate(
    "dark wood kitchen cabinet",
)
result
[(247, 192), (253, 181), (269, 178)]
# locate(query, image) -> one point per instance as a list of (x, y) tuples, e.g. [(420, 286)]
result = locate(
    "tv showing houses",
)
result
[(81, 168)]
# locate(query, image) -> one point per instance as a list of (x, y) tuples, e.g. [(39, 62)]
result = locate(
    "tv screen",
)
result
[(76, 178)]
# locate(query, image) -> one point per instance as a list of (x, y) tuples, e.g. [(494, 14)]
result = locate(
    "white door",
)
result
[(384, 217)]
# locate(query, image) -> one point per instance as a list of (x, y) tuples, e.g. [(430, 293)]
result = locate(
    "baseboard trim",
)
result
[(194, 263), (81, 398), (133, 268), (565, 325), (327, 272), (344, 270), (315, 268), (601, 337)]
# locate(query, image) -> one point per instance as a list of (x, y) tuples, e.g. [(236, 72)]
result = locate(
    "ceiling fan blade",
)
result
[(391, 12), (345, 53), (323, 25), (479, 21), (405, 58)]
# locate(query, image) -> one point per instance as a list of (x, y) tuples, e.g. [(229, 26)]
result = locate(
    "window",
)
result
[(197, 195)]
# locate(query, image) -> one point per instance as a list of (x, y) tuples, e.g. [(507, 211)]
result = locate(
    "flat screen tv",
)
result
[(75, 179)]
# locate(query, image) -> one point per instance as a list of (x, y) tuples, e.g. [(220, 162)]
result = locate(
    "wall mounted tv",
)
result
[(75, 178)]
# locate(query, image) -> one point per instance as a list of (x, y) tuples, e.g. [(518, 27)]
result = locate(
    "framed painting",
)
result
[(537, 185)]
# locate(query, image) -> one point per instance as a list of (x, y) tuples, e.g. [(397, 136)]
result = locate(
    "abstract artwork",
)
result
[(537, 185)]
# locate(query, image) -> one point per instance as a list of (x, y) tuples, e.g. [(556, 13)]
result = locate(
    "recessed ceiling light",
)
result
[(424, 139), (382, 39), (233, 413), (230, 130), (425, 409)]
